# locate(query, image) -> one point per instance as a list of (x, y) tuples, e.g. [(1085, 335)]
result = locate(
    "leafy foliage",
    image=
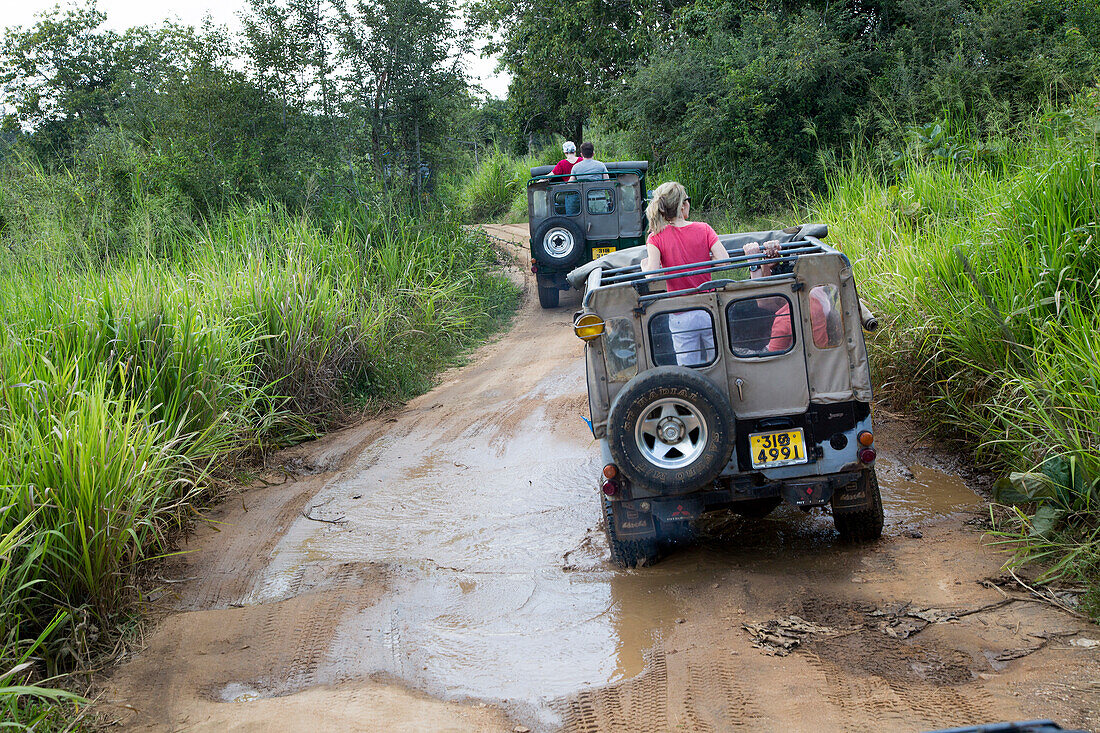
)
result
[(759, 94), (986, 274)]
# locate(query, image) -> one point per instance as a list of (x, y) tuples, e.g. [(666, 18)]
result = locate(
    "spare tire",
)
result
[(670, 429), (558, 242)]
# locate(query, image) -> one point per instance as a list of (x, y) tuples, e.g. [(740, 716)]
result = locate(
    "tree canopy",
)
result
[(346, 94), (756, 91)]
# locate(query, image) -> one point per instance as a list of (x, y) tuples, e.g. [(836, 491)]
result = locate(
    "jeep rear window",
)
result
[(567, 203), (601, 201), (629, 192), (540, 203), (828, 328), (684, 338), (760, 326)]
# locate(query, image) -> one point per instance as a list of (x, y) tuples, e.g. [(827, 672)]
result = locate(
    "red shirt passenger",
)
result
[(565, 166), (686, 244), (673, 241)]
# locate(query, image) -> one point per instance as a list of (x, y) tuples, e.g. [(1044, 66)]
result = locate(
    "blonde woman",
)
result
[(672, 241)]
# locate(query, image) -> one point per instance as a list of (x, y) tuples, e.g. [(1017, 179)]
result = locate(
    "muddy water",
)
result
[(915, 493), (501, 589)]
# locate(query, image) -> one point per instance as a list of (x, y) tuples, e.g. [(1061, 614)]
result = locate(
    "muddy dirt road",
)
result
[(443, 568)]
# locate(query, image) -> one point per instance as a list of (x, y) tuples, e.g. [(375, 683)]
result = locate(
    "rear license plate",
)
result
[(601, 251), (781, 448)]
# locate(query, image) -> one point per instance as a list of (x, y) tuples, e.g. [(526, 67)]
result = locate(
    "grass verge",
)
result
[(126, 381)]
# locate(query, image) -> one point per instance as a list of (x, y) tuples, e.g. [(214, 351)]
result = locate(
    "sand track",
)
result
[(466, 587)]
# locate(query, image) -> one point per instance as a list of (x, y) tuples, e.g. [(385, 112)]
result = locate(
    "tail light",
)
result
[(867, 455), (610, 470), (610, 488), (866, 438)]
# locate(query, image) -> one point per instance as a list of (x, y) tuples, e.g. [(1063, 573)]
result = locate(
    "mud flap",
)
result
[(677, 511), (632, 523), (808, 494), (852, 497)]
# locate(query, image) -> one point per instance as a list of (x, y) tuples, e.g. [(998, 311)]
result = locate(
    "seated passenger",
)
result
[(782, 339), (588, 168), (672, 241), (565, 166)]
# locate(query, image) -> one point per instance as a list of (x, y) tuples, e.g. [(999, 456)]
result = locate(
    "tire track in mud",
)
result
[(872, 701), (680, 691)]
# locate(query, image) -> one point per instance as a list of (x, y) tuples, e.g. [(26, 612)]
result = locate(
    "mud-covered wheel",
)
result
[(626, 553), (862, 525), (670, 429), (558, 242), (548, 293)]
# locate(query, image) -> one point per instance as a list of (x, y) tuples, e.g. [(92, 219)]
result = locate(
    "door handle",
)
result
[(740, 383)]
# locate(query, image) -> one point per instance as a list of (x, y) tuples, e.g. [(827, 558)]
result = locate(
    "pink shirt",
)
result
[(684, 246)]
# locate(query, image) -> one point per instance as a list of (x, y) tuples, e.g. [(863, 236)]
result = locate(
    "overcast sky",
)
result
[(126, 13)]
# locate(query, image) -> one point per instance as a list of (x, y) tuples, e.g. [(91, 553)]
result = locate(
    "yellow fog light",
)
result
[(588, 326)]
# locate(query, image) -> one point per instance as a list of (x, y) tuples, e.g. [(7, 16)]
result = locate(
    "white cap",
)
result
[(568, 147)]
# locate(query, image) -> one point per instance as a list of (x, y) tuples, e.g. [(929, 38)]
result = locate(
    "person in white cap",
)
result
[(565, 167)]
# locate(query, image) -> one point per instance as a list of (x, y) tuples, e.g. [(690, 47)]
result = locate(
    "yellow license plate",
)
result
[(601, 251), (781, 448)]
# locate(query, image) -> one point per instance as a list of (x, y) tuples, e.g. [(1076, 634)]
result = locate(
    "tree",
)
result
[(564, 57), (59, 75)]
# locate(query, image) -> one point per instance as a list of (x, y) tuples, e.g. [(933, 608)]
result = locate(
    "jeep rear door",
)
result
[(763, 351)]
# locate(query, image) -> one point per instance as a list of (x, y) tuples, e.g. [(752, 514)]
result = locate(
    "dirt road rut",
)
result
[(443, 568)]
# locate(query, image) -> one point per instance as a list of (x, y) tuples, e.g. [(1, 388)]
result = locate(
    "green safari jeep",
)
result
[(575, 223)]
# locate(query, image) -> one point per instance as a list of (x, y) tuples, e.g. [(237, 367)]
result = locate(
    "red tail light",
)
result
[(610, 488), (868, 455)]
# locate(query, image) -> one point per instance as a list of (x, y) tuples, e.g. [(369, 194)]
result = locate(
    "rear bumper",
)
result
[(805, 493)]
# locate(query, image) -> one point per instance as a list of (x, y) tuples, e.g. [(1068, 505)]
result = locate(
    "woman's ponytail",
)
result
[(665, 205)]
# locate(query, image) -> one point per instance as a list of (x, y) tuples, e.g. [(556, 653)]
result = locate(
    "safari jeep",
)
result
[(574, 223), (739, 394)]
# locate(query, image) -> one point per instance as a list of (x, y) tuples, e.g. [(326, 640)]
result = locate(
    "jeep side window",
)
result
[(760, 326), (828, 329), (684, 338), (567, 203), (601, 201)]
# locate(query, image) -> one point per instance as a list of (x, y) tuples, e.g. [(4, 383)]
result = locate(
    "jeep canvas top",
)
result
[(738, 394)]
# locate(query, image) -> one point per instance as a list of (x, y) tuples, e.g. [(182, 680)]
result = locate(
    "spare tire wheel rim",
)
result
[(559, 242), (671, 433)]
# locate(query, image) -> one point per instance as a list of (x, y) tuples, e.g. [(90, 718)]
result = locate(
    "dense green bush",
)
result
[(986, 275), (755, 93)]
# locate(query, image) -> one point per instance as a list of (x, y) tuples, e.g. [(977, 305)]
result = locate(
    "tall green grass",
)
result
[(986, 273), (129, 382), (496, 189)]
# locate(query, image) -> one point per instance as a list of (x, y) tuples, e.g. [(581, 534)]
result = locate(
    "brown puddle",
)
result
[(501, 586), (916, 493)]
